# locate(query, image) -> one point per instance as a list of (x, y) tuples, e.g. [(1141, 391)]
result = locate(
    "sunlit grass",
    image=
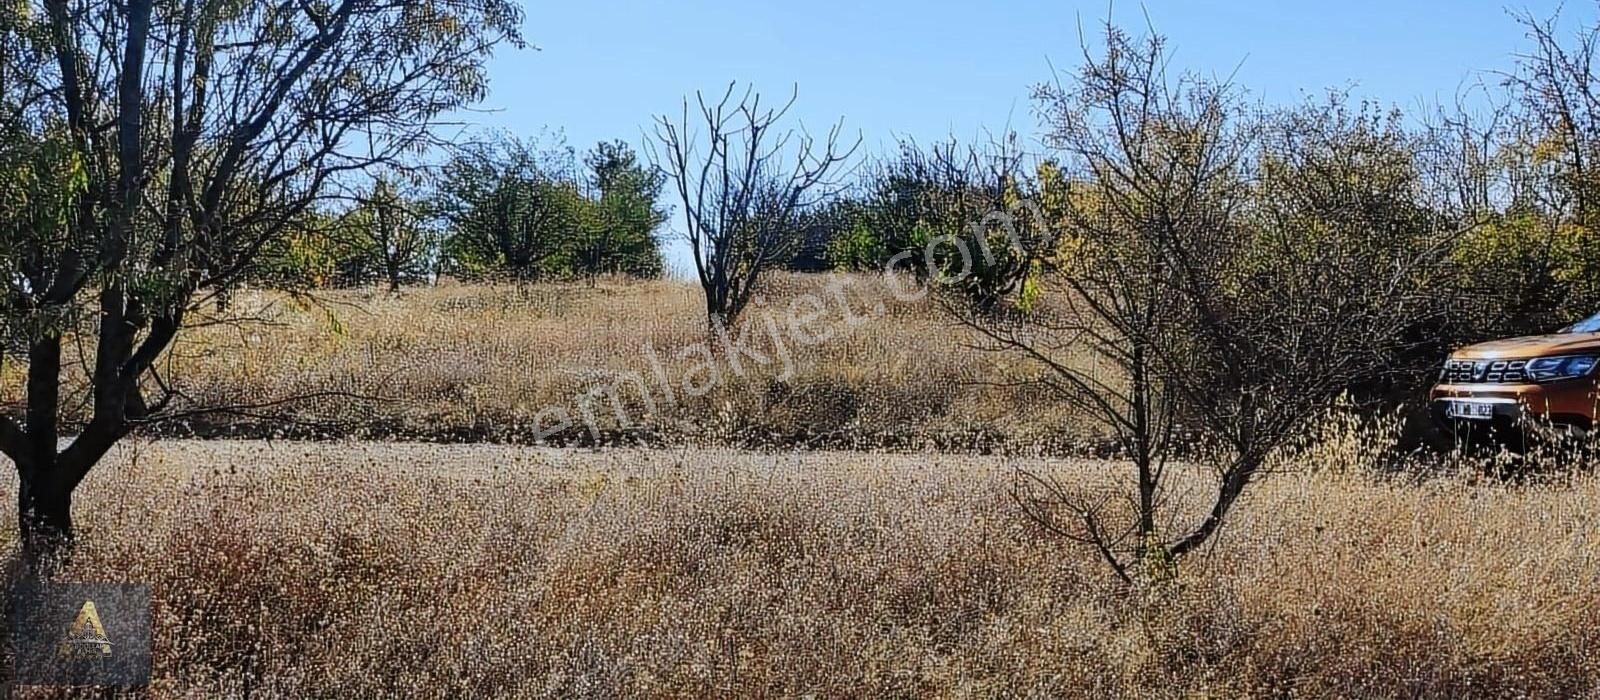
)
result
[(379, 569), (364, 570), (474, 362)]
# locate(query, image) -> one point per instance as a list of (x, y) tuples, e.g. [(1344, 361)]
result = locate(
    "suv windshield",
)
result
[(1588, 325)]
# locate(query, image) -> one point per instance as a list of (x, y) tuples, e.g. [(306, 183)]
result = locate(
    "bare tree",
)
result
[(1216, 276), (743, 193), (1140, 163), (1557, 87), (196, 132)]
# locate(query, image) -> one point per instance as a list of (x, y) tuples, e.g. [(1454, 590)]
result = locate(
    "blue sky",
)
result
[(936, 68)]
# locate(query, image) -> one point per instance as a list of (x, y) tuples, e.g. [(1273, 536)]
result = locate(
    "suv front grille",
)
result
[(1486, 371)]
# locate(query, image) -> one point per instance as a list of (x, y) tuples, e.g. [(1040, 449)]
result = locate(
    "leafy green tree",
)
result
[(311, 253), (922, 194), (512, 210), (172, 141), (388, 237), (620, 235), (965, 214)]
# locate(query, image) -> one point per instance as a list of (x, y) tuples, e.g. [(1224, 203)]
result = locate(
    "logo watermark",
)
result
[(81, 634)]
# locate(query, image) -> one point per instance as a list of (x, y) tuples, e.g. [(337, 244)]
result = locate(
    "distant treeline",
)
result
[(501, 210), (1513, 186)]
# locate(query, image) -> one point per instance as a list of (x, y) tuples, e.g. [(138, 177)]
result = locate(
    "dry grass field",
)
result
[(701, 568), (454, 363), (385, 570)]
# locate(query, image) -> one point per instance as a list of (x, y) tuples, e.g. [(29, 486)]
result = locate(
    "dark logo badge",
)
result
[(82, 634), (86, 639)]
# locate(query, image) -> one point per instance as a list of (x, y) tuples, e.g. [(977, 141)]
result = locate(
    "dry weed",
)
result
[(371, 570)]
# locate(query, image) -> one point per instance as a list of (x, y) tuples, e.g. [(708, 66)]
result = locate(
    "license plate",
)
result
[(1469, 410)]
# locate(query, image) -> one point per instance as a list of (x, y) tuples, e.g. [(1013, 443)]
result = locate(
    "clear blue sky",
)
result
[(936, 68)]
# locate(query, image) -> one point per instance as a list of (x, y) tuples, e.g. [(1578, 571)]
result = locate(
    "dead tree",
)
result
[(743, 184)]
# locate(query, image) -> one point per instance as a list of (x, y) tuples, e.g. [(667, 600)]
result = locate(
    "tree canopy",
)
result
[(158, 147)]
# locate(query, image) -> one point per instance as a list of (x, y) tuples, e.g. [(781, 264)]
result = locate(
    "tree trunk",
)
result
[(1145, 449), (44, 498), (44, 521), (1234, 481)]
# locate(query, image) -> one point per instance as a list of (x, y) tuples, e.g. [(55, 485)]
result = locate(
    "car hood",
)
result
[(1532, 346)]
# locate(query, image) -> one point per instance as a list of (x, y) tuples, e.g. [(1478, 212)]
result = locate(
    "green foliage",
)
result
[(42, 180), (1522, 273), (516, 212), (516, 230), (312, 253), (150, 153), (387, 237), (618, 234), (903, 203), (1337, 183), (1528, 260), (821, 227), (947, 212), (855, 248), (1032, 287), (509, 207), (922, 195), (1005, 244)]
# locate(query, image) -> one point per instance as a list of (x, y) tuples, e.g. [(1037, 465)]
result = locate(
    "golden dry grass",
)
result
[(481, 363), (377, 569), (374, 570)]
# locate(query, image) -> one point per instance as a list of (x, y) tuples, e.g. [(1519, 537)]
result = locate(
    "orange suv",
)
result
[(1502, 384)]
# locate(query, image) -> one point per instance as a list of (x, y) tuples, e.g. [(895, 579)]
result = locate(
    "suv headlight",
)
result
[(1554, 369)]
